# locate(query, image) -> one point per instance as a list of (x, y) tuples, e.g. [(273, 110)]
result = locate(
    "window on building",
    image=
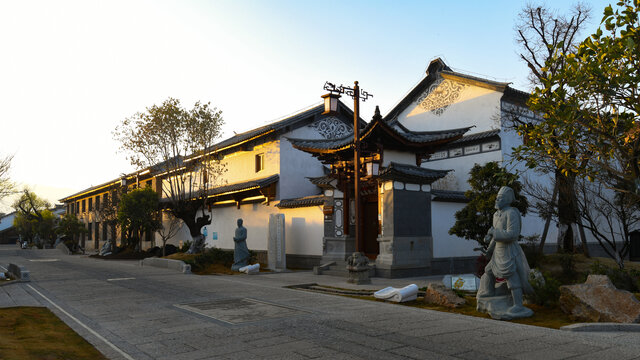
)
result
[(89, 228), (147, 183), (97, 231), (90, 204), (259, 162), (84, 205), (77, 207), (98, 202), (104, 232)]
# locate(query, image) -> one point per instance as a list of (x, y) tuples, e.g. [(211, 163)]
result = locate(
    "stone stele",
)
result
[(598, 300), (440, 295)]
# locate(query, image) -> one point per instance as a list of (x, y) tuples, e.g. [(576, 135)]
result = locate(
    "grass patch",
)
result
[(213, 261), (36, 333)]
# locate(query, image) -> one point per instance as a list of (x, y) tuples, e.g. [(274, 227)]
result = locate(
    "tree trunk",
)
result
[(583, 239), (543, 239), (188, 214), (566, 211)]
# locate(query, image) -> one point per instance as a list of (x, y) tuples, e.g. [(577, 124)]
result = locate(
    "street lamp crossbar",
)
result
[(346, 90)]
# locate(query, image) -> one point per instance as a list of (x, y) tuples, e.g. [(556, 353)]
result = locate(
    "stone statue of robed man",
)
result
[(241, 254), (507, 263)]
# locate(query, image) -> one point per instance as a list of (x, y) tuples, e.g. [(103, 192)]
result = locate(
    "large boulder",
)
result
[(440, 295), (597, 300)]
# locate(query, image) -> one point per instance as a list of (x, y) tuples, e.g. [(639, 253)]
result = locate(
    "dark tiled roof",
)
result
[(322, 181), (495, 84), (269, 128), (322, 144), (477, 136), (245, 185), (428, 136), (415, 137), (449, 196), (301, 202), (410, 173)]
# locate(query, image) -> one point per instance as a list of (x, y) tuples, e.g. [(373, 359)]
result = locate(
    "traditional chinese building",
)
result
[(415, 163)]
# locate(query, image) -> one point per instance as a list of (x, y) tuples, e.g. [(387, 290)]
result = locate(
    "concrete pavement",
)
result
[(133, 312)]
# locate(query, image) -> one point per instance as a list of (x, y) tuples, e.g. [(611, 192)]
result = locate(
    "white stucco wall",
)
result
[(303, 231), (461, 167), (398, 157), (475, 106), (445, 245), (296, 166), (240, 166)]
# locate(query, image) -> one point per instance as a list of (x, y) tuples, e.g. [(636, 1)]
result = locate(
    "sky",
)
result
[(71, 71)]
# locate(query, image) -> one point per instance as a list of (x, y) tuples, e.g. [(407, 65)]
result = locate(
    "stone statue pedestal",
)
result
[(499, 305), (358, 267), (358, 276)]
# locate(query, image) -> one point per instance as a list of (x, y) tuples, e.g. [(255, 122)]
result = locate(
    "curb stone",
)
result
[(601, 327)]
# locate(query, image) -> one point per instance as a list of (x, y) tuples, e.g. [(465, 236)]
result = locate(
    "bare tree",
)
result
[(169, 229), (542, 33), (609, 217), (6, 185)]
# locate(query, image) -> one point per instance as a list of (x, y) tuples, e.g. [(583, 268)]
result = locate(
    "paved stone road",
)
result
[(129, 312)]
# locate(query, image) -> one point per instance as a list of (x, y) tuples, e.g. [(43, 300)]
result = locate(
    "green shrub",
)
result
[(546, 292), (568, 265), (624, 279), (185, 246)]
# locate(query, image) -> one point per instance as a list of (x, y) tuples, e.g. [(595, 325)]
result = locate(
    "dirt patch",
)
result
[(36, 333)]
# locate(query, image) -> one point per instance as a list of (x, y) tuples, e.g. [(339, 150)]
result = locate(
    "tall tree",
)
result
[(543, 34), (33, 219), (71, 227), (137, 215), (175, 143), (603, 95), (474, 220)]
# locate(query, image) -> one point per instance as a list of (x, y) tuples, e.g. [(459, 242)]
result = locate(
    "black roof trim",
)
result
[(438, 66), (306, 201), (477, 136), (243, 186), (411, 173), (449, 196)]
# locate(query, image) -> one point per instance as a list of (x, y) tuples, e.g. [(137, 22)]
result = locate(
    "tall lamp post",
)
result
[(356, 93)]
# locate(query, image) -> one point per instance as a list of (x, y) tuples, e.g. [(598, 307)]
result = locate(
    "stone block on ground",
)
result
[(172, 264), (250, 269), (19, 272), (407, 293), (440, 295), (598, 300), (63, 248)]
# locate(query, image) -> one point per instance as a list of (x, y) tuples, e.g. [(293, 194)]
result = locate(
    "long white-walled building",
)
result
[(427, 143)]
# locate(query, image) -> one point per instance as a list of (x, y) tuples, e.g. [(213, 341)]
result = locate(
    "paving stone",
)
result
[(546, 354), (417, 353)]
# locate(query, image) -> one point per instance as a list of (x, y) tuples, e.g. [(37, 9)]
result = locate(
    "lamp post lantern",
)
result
[(356, 93)]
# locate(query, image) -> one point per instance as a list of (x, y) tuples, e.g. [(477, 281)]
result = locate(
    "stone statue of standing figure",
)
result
[(507, 263), (241, 255)]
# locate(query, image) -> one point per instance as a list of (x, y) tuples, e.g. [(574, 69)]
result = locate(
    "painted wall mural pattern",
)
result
[(332, 128), (440, 95)]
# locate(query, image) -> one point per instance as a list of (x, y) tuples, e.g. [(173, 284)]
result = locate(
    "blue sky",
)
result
[(70, 71)]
